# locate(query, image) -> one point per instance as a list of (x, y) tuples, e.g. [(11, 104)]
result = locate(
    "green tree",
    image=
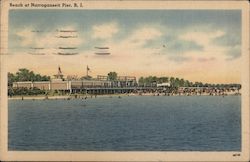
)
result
[(141, 81), (25, 75), (182, 83), (172, 80), (176, 82), (163, 79), (112, 76), (187, 83), (11, 79)]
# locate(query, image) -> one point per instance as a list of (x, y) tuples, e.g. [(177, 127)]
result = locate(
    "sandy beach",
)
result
[(88, 96)]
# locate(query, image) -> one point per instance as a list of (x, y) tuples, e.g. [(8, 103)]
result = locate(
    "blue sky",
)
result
[(167, 37)]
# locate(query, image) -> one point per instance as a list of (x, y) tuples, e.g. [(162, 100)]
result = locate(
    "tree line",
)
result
[(179, 82), (25, 75)]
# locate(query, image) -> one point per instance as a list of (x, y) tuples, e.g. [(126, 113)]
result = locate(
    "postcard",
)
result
[(124, 80)]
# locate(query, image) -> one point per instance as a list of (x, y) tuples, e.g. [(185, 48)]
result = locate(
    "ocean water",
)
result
[(131, 123)]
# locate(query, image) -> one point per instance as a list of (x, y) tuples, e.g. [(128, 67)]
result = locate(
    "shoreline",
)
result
[(77, 96)]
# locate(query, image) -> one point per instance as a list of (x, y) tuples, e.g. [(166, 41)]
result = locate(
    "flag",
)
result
[(59, 69), (88, 69)]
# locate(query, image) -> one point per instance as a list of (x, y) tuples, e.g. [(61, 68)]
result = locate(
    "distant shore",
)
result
[(88, 96)]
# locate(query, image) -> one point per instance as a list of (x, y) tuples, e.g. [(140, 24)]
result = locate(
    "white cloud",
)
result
[(144, 34), (105, 31), (132, 46), (205, 38), (27, 37), (201, 38), (50, 40)]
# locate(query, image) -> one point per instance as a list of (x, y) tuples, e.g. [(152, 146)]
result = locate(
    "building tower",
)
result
[(59, 75), (87, 71)]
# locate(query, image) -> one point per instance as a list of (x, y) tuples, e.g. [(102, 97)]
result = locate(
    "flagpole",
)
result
[(87, 70)]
